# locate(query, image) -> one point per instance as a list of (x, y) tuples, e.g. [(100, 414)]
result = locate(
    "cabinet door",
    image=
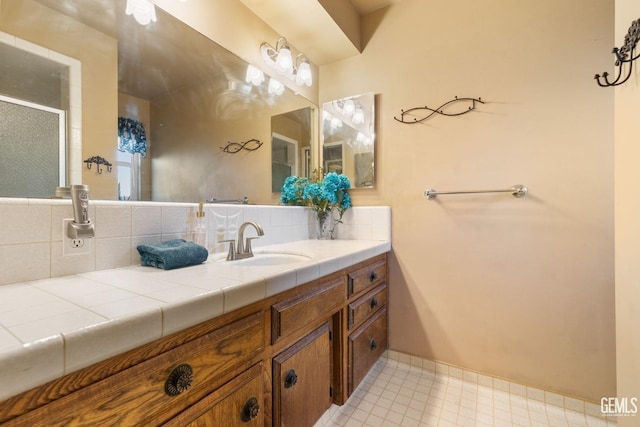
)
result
[(302, 380), (239, 403)]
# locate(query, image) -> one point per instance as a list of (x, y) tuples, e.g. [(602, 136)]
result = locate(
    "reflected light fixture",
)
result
[(142, 10), (275, 87), (358, 116), (348, 108), (280, 58), (254, 75), (335, 123)]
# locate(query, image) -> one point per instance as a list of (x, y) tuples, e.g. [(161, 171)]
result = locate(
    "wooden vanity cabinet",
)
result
[(280, 361), (238, 403), (366, 322), (154, 391), (366, 345), (302, 380)]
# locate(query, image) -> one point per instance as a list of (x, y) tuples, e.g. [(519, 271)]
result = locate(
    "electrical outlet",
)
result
[(73, 246)]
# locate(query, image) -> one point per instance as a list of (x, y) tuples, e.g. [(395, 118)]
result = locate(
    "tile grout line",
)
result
[(448, 399)]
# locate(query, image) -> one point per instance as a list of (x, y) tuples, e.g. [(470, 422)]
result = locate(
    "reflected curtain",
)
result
[(132, 137)]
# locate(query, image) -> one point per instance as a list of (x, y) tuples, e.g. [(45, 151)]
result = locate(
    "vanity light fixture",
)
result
[(358, 116), (280, 59), (254, 76), (350, 109), (335, 123), (142, 10), (275, 87), (303, 76)]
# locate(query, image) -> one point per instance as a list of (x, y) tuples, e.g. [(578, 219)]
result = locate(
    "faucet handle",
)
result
[(247, 245), (232, 249)]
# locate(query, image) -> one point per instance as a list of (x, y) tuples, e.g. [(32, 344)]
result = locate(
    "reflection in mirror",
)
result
[(36, 103), (348, 139), (188, 92), (290, 146)]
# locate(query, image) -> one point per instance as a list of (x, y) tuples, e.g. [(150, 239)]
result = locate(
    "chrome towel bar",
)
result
[(517, 191)]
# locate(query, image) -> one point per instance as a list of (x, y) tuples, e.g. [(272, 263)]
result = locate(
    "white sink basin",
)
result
[(265, 259)]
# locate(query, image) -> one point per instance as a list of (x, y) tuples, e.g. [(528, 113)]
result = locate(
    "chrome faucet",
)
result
[(241, 251)]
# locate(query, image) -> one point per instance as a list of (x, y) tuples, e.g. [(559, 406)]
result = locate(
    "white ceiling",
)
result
[(311, 29)]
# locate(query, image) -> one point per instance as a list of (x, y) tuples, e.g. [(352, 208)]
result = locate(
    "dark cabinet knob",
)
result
[(290, 379), (179, 380), (373, 303), (373, 277), (250, 410), (373, 344)]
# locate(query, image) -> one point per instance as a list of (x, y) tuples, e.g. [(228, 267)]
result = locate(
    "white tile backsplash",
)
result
[(21, 263), (146, 220), (33, 223), (31, 233)]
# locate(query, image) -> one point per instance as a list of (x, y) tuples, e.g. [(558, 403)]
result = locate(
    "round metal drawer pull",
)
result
[(373, 345), (291, 379), (250, 410), (373, 277), (179, 380), (373, 303)]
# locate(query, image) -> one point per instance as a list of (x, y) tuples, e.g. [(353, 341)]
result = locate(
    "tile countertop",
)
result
[(52, 327)]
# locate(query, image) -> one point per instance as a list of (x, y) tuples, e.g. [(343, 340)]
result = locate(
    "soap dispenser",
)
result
[(200, 228)]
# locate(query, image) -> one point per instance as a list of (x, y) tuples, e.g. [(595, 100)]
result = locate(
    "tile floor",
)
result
[(395, 393)]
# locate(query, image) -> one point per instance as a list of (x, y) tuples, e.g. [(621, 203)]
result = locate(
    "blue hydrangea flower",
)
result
[(323, 196)]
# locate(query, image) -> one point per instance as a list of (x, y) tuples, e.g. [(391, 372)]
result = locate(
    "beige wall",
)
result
[(522, 289), (98, 56), (627, 214)]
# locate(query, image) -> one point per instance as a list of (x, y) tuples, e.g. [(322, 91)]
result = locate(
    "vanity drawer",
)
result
[(366, 345), (291, 314), (240, 402), (137, 396), (367, 277), (362, 308)]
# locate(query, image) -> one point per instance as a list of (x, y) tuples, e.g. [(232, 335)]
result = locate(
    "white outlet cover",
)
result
[(67, 248)]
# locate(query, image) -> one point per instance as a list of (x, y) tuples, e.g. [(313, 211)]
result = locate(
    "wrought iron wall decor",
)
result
[(250, 145), (98, 161), (440, 110), (624, 55)]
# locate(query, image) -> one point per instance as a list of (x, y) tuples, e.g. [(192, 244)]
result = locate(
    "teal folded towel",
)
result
[(172, 254)]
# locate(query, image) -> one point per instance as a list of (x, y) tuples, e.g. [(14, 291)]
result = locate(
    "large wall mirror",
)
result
[(348, 138), (188, 93)]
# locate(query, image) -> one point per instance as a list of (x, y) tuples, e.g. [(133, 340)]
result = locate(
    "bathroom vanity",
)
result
[(280, 360)]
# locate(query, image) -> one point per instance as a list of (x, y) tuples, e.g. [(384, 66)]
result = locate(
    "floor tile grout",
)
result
[(395, 393)]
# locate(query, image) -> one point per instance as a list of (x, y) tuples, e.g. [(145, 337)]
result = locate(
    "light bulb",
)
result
[(254, 75), (284, 61), (303, 76), (358, 116), (348, 108), (275, 87), (142, 10)]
